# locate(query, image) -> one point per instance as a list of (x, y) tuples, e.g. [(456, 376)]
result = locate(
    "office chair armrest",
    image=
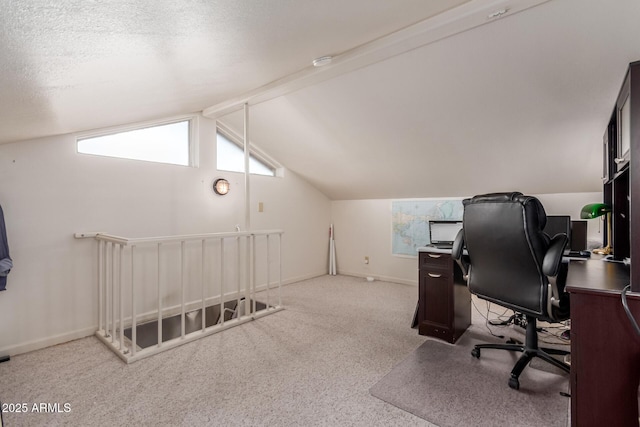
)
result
[(456, 253), (553, 257)]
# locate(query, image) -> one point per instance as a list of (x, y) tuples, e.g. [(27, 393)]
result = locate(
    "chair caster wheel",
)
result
[(476, 353), (514, 383)]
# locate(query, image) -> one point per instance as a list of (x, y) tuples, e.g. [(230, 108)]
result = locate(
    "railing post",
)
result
[(221, 321)]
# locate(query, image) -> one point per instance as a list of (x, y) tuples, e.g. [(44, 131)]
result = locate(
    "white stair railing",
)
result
[(170, 281)]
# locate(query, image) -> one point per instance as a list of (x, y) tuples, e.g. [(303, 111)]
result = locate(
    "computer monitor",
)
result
[(578, 235), (558, 224)]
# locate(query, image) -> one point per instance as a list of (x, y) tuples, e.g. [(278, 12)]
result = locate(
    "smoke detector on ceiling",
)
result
[(497, 14), (323, 60)]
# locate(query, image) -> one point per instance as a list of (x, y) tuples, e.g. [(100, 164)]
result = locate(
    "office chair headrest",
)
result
[(514, 197)]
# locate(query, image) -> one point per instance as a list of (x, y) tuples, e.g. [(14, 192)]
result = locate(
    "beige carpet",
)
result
[(311, 364), (445, 385)]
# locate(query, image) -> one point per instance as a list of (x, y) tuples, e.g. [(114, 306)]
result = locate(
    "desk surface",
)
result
[(585, 275), (434, 249), (596, 275)]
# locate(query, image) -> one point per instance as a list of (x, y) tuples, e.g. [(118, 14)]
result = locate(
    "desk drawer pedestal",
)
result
[(444, 309)]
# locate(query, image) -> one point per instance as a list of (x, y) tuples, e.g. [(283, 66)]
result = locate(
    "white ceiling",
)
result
[(70, 65), (520, 103)]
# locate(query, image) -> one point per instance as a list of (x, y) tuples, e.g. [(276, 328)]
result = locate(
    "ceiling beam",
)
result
[(454, 21)]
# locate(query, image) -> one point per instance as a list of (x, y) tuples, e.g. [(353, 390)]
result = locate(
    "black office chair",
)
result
[(510, 261)]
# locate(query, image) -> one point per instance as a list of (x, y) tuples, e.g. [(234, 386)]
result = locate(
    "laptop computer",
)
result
[(443, 233)]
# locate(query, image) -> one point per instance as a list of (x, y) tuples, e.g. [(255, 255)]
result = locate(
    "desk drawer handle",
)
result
[(434, 255), (435, 276)]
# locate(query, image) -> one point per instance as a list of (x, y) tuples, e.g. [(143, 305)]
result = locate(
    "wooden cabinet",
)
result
[(444, 308), (621, 163), (605, 349)]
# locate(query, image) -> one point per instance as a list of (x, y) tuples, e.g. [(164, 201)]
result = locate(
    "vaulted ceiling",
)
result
[(423, 99)]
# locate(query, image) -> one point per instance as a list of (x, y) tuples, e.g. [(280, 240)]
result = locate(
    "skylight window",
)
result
[(162, 143), (231, 158)]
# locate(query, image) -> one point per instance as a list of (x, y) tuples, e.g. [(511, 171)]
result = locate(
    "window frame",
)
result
[(254, 152), (192, 146)]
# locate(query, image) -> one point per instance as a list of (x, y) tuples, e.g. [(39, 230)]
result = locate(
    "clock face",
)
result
[(221, 186)]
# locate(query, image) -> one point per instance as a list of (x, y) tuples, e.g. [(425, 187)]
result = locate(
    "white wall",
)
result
[(363, 228), (48, 192)]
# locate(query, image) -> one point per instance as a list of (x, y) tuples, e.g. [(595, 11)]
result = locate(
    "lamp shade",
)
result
[(594, 210)]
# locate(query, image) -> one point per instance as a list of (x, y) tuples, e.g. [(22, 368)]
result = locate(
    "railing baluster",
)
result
[(107, 290), (159, 299), (204, 296), (268, 271), (221, 321), (182, 272), (101, 285), (279, 269), (252, 280), (134, 332), (113, 290), (120, 296), (238, 268)]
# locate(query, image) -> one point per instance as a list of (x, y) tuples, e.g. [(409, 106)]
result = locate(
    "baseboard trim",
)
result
[(304, 277), (38, 344), (382, 278)]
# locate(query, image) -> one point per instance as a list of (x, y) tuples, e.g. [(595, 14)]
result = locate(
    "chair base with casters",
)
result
[(530, 349)]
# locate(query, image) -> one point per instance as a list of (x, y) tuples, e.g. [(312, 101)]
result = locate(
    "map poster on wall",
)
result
[(410, 222)]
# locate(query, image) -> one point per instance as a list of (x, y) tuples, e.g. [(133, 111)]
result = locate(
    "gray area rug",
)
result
[(445, 385)]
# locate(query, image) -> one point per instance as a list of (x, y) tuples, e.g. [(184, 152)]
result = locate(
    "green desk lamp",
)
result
[(596, 210)]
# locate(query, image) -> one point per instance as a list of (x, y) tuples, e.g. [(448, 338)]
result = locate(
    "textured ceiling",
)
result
[(71, 65), (520, 103)]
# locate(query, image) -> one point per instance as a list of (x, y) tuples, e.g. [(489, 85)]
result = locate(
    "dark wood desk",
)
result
[(605, 350)]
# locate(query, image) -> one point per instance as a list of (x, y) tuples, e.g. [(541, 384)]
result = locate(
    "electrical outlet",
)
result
[(366, 260)]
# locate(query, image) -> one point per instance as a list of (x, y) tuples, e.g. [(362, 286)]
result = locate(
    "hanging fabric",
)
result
[(5, 261)]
